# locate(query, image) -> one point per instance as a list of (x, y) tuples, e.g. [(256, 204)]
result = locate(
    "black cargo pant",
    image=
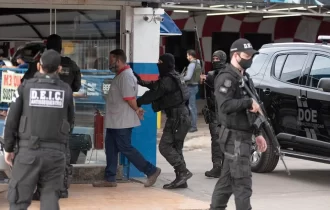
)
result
[(176, 128), (67, 173), (43, 167), (217, 154), (68, 169), (236, 177)]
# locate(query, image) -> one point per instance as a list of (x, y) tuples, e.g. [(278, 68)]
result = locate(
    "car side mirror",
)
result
[(324, 84)]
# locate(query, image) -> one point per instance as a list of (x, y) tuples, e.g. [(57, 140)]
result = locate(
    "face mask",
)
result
[(162, 69), (217, 65), (245, 63)]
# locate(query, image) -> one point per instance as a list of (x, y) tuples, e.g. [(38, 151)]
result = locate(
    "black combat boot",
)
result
[(172, 184), (183, 176), (214, 172), (64, 194), (36, 196)]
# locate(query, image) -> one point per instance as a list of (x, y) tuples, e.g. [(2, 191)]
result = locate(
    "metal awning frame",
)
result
[(318, 11)]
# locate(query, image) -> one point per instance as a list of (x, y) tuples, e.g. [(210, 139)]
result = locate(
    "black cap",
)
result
[(50, 61), (242, 45)]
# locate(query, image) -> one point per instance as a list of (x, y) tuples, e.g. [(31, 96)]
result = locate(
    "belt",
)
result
[(239, 129), (49, 145), (174, 112)]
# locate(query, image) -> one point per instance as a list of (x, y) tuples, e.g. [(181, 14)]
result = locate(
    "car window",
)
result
[(320, 69), (257, 63), (279, 65), (292, 68)]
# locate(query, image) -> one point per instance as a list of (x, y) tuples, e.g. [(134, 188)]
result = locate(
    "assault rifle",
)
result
[(262, 121)]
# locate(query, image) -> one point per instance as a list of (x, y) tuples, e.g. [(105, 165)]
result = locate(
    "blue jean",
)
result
[(119, 140), (193, 90)]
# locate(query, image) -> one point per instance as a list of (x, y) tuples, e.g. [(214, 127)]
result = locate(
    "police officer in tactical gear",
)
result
[(170, 93), (209, 111), (236, 132), (70, 73), (41, 142)]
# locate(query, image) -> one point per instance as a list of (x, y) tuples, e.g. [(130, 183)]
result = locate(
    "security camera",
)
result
[(159, 18), (150, 4)]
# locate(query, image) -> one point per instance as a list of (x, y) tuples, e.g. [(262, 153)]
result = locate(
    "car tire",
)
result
[(263, 162)]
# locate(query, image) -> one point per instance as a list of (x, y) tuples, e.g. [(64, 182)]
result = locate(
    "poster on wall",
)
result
[(9, 84), (93, 90), (309, 2)]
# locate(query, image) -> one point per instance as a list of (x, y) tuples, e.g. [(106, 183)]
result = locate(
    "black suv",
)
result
[(293, 82)]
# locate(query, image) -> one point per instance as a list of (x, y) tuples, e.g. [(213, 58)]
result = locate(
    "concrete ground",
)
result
[(306, 189), (126, 196)]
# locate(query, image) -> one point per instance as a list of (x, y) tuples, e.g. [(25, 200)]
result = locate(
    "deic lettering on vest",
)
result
[(46, 98)]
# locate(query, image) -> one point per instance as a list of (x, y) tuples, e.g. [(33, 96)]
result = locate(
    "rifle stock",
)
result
[(262, 123)]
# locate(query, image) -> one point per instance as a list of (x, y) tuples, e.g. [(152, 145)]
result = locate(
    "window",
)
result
[(257, 63), (279, 65), (320, 69), (292, 68)]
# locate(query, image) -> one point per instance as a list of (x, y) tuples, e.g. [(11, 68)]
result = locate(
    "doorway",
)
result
[(223, 41), (257, 40)]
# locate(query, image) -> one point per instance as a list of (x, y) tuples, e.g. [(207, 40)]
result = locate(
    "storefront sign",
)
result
[(9, 84), (93, 88)]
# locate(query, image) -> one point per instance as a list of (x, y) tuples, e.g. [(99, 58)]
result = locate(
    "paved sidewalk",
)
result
[(127, 196), (133, 195)]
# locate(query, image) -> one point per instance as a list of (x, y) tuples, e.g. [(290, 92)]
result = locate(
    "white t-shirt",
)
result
[(118, 112)]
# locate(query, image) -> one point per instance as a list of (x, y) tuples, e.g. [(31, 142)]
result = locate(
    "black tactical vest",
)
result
[(209, 86), (67, 74), (45, 111), (236, 120), (173, 99)]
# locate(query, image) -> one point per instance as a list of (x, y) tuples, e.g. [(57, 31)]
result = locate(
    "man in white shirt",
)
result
[(122, 115)]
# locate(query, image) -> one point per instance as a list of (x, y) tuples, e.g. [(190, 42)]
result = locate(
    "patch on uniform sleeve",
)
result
[(15, 96), (48, 98), (227, 83), (223, 89)]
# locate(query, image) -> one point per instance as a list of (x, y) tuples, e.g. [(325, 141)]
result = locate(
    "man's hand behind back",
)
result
[(140, 113)]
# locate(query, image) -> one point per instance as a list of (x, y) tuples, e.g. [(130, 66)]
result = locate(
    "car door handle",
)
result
[(302, 98), (266, 91)]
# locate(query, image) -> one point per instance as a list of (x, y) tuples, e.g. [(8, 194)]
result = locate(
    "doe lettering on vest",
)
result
[(49, 98)]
